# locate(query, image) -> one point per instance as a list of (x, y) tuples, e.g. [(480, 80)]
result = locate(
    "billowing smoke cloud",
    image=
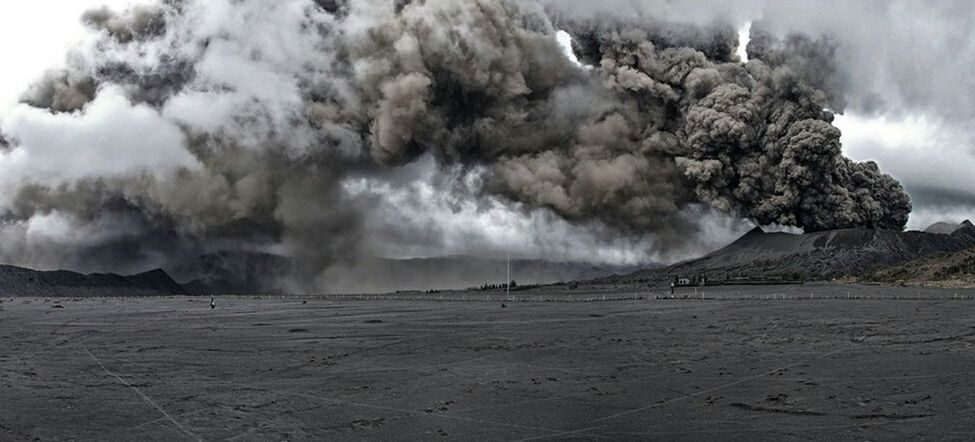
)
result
[(212, 125), (878, 61)]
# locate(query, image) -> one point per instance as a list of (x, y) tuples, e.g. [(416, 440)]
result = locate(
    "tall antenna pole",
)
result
[(507, 284)]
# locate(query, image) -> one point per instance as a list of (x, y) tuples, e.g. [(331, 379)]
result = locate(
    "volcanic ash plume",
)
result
[(214, 125)]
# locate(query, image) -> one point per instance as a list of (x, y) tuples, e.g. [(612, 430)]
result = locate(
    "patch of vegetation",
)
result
[(944, 270)]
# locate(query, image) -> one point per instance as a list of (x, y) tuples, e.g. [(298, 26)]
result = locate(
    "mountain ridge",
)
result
[(19, 281), (757, 254), (816, 256)]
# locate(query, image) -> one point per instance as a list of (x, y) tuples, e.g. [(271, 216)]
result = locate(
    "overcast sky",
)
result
[(35, 35), (928, 150)]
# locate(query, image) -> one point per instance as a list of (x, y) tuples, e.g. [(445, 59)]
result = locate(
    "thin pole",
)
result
[(507, 285)]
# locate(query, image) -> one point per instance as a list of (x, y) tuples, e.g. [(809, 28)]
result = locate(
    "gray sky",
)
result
[(35, 36), (906, 67)]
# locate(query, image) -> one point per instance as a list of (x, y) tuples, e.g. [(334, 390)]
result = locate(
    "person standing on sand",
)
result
[(213, 303)]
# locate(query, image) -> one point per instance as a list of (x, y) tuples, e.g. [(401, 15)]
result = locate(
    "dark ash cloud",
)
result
[(276, 107)]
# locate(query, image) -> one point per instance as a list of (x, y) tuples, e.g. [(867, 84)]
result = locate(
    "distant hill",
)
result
[(259, 273), (17, 281), (883, 255), (820, 255), (255, 273), (944, 228)]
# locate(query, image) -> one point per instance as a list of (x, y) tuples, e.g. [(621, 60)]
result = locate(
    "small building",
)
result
[(687, 281)]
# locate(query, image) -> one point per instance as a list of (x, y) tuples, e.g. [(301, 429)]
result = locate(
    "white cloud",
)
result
[(109, 138), (565, 40), (34, 37), (744, 36), (247, 79), (417, 216)]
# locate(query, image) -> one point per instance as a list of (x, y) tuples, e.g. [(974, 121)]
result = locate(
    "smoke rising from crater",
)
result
[(237, 125)]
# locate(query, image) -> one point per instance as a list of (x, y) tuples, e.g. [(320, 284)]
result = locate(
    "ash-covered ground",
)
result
[(384, 369)]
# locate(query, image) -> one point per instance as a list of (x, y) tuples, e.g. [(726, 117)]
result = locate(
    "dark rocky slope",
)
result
[(17, 281), (815, 256)]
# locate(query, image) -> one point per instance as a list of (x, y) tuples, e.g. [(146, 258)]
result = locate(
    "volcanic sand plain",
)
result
[(791, 362)]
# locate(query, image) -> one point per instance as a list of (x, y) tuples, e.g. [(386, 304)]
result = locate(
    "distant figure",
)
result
[(671, 288), (213, 303)]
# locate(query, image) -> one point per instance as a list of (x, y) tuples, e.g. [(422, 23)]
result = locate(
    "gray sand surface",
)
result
[(321, 369)]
